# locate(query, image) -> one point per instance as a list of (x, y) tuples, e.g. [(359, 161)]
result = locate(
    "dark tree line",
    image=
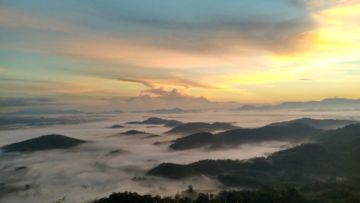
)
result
[(287, 195)]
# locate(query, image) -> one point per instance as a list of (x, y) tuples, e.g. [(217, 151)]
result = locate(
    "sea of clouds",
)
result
[(90, 171)]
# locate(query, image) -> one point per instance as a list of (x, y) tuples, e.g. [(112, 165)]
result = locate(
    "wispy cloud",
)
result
[(32, 101), (2, 70), (143, 82), (210, 18), (14, 18)]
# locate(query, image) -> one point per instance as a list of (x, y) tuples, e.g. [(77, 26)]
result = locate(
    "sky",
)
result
[(247, 51)]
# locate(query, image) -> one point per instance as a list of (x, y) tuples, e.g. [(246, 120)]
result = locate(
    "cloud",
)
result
[(150, 77), (35, 101), (134, 52), (206, 25), (191, 34), (88, 172), (161, 92), (168, 95), (202, 14), (214, 48), (2, 70), (167, 80), (143, 82), (305, 79), (156, 98), (50, 86), (158, 92), (29, 80), (20, 19)]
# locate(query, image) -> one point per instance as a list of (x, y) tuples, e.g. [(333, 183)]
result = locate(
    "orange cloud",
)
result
[(120, 51), (2, 70), (20, 19)]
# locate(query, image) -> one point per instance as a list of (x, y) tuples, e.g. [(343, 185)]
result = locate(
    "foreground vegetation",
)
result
[(263, 195)]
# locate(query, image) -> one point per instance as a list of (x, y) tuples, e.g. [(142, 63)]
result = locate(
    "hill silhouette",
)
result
[(322, 105), (233, 138), (116, 126), (326, 124), (196, 127), (333, 159), (134, 132), (157, 121), (45, 142)]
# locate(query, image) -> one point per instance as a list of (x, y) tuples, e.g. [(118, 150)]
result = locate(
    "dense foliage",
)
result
[(263, 195), (45, 142), (326, 170), (287, 195)]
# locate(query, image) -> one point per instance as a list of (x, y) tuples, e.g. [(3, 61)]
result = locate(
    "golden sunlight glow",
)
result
[(227, 64), (336, 40), (143, 55)]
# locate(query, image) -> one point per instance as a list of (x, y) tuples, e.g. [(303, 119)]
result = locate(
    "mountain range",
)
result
[(331, 160), (294, 130), (157, 121), (325, 104), (195, 127)]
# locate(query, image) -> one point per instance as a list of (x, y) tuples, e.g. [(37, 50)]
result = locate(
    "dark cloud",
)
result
[(198, 25), (151, 80), (143, 82), (203, 13)]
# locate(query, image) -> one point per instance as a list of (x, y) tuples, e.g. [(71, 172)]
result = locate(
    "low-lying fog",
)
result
[(89, 170)]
